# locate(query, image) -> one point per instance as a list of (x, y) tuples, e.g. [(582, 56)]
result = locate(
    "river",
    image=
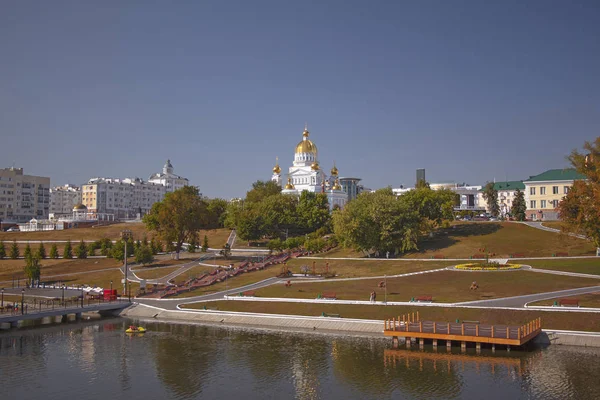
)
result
[(96, 360)]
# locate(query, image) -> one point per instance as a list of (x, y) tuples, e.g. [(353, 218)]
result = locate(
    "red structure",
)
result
[(110, 294)]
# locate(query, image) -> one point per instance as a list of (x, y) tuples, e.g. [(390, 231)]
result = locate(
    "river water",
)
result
[(96, 360)]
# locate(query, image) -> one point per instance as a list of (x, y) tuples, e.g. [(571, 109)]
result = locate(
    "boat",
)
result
[(135, 329)]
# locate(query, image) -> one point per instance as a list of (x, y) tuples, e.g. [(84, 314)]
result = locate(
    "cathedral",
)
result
[(306, 174)]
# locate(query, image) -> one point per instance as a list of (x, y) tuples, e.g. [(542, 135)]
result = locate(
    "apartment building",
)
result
[(543, 192), (23, 197), (124, 198), (64, 198), (168, 178), (506, 194)]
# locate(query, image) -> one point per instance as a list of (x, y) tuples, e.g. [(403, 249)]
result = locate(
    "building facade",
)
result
[(306, 174), (64, 198), (123, 198), (506, 195), (23, 197), (351, 187), (168, 178), (543, 192)]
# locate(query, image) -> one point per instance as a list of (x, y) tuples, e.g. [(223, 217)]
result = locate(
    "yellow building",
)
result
[(543, 192)]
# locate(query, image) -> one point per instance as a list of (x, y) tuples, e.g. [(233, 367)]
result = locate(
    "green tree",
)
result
[(279, 216), (275, 245), (81, 251), (2, 250), (41, 251), (580, 208), (68, 251), (250, 224), (490, 195), (261, 190), (517, 211), (14, 251), (118, 250), (32, 268), (226, 251), (27, 252), (218, 207), (192, 245), (53, 251), (143, 255), (433, 206), (205, 244), (378, 222), (313, 211), (180, 216)]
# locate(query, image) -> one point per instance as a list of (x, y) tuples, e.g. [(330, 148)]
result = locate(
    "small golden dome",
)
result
[(315, 166), (79, 207), (334, 171), (289, 185), (306, 145), (276, 168), (336, 185)]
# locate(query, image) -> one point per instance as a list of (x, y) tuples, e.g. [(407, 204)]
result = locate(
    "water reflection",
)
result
[(192, 361)]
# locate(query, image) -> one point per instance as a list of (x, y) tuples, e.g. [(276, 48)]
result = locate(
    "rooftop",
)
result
[(567, 174)]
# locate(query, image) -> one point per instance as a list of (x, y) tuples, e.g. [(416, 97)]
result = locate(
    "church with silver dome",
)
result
[(306, 174)]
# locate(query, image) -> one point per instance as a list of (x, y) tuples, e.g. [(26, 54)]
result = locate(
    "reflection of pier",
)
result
[(444, 361), (410, 326)]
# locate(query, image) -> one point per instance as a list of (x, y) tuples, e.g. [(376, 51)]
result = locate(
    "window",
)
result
[(543, 190), (532, 191), (566, 189), (533, 217), (542, 203), (532, 204), (554, 189)]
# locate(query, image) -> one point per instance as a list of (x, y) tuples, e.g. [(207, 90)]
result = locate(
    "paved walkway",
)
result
[(520, 301), (540, 225)]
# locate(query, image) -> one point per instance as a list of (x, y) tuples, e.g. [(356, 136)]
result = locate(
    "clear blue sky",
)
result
[(469, 90)]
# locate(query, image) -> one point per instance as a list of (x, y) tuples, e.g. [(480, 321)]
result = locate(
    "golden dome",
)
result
[(315, 166), (276, 168), (79, 207), (334, 170), (306, 145), (289, 185), (336, 185)]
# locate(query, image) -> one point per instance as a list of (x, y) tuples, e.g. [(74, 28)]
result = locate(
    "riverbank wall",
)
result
[(323, 324)]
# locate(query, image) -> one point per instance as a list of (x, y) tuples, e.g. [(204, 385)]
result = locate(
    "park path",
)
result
[(541, 226), (165, 279), (520, 301)]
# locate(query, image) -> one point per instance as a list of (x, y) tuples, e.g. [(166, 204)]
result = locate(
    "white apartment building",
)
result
[(168, 179), (64, 198), (23, 197), (124, 198), (471, 199)]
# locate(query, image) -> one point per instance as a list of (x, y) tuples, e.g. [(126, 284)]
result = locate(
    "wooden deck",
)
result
[(410, 326)]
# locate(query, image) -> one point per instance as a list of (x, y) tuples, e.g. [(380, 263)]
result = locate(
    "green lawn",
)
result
[(156, 272), (585, 300), (550, 320), (367, 267), (444, 286), (579, 265)]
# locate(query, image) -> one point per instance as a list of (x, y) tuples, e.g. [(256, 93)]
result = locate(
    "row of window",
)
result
[(543, 204), (554, 190)]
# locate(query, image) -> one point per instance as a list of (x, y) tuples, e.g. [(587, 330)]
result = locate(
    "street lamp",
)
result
[(63, 293), (22, 301), (385, 288), (125, 235), (81, 296), (129, 291), (111, 287), (2, 298)]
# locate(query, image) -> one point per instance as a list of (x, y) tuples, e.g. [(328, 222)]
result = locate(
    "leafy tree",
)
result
[(517, 211), (32, 268), (226, 252), (261, 190), (145, 241), (232, 213), (81, 251), (14, 251), (279, 215), (192, 245), (130, 246), (27, 252), (580, 208), (136, 245), (433, 206), (105, 246), (275, 245), (180, 216), (313, 211), (205, 244), (118, 250), (143, 255), (41, 251), (491, 197), (53, 251), (378, 222), (2, 250), (218, 207), (68, 251), (250, 224), (422, 184)]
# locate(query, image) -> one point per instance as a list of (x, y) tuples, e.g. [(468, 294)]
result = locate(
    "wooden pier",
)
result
[(410, 326)]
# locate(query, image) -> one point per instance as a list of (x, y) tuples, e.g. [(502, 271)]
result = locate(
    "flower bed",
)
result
[(487, 267)]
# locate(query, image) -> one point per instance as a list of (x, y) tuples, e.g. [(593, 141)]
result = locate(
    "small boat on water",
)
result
[(135, 329)]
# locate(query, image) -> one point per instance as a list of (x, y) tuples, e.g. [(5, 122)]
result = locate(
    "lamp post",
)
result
[(129, 291), (2, 298), (63, 293), (125, 235), (385, 289), (81, 296), (22, 301)]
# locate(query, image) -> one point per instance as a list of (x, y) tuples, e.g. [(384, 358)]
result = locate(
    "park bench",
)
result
[(248, 293), (470, 322), (560, 255), (327, 296), (424, 299), (568, 302)]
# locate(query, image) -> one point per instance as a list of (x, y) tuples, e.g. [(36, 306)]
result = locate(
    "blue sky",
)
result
[(469, 90)]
